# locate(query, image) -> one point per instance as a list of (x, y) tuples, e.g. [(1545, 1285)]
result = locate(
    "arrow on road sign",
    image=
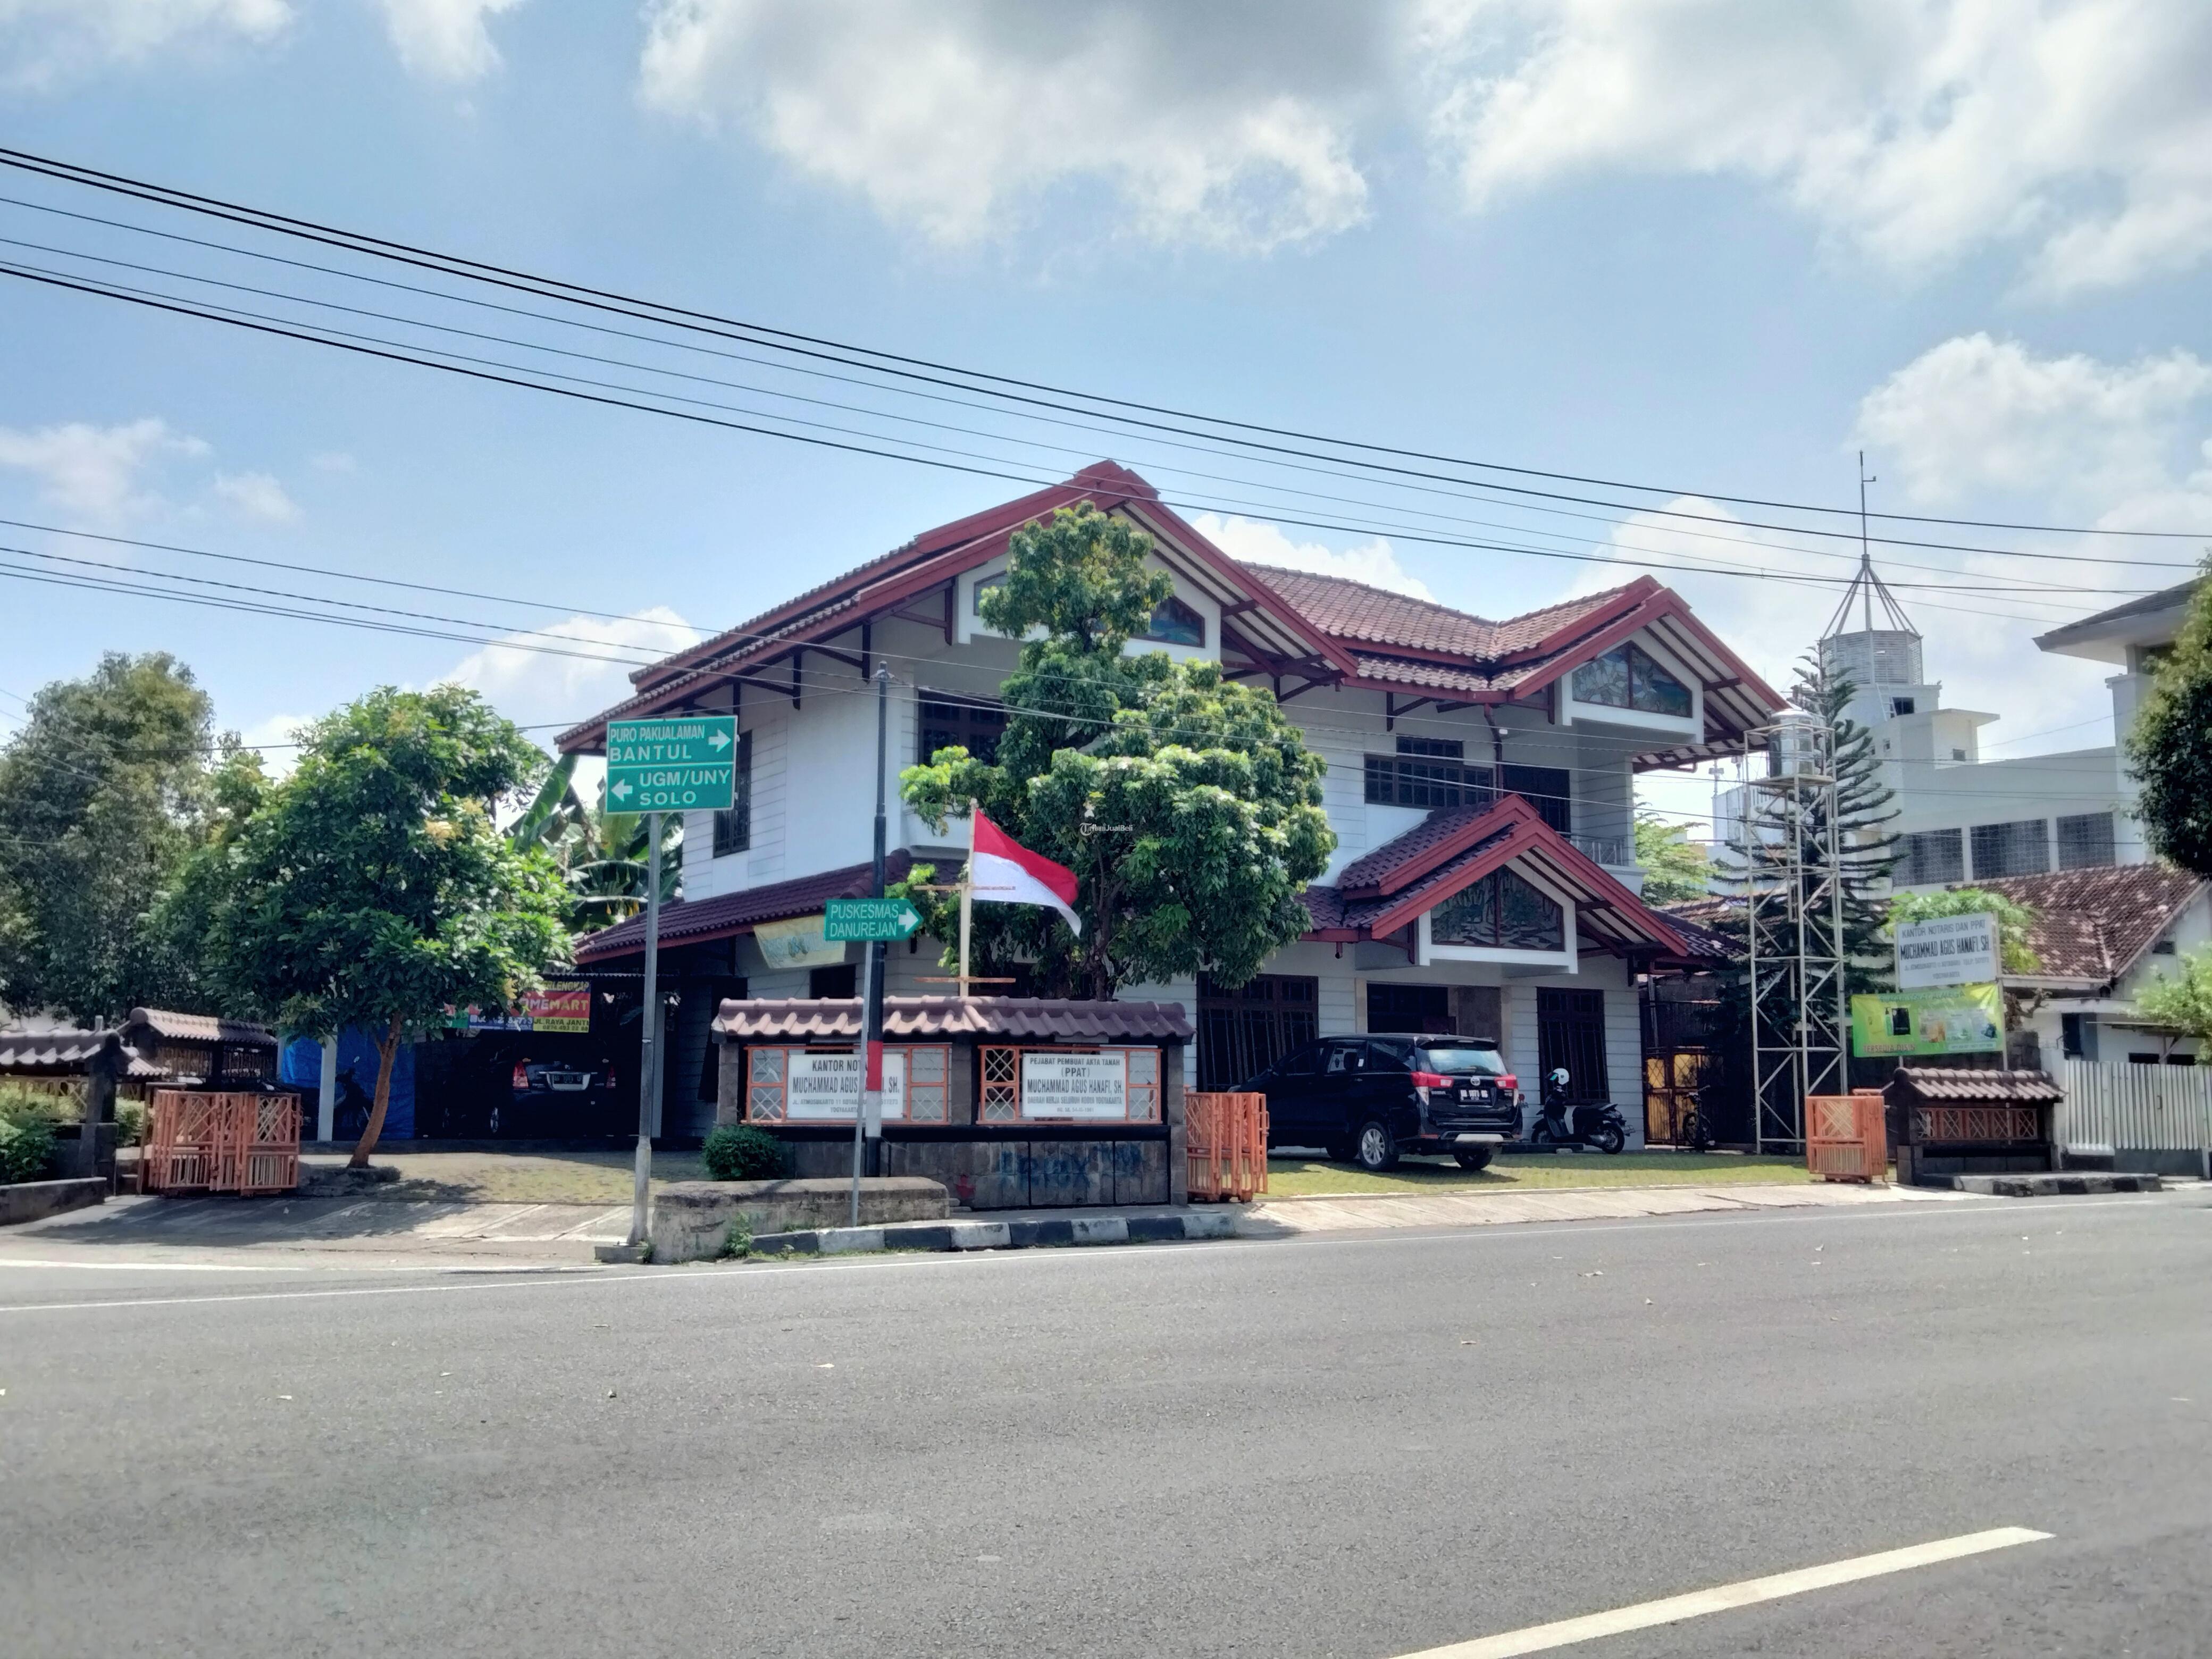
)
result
[(620, 792), (869, 919), (718, 740)]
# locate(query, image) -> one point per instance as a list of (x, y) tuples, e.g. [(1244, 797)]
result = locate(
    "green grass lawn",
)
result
[(1289, 1177), (491, 1176)]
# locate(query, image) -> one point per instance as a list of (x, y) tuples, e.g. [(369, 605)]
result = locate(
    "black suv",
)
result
[(1366, 1099)]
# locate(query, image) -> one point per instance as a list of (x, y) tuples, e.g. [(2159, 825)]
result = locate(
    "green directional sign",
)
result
[(688, 764), (869, 919)]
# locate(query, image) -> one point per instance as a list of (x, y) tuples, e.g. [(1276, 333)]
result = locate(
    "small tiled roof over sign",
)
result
[(62, 1051), (199, 1028), (1040, 1019), (2092, 925), (1963, 1087)]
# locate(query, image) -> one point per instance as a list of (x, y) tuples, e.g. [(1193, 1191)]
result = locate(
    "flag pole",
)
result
[(967, 895)]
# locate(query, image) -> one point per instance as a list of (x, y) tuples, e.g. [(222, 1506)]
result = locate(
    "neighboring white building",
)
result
[(1480, 783), (1960, 818)]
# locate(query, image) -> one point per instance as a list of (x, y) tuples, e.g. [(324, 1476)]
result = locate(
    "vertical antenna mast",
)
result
[(1866, 558)]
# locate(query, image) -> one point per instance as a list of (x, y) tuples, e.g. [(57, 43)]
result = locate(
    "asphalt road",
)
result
[(1357, 1446)]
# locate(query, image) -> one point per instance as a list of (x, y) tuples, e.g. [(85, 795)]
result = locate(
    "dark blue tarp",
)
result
[(301, 1067)]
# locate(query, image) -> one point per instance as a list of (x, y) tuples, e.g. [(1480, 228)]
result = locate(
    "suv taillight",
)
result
[(521, 1080), (1509, 1081), (1431, 1080)]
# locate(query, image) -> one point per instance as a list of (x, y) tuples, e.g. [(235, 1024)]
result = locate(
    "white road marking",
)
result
[(1542, 1638)]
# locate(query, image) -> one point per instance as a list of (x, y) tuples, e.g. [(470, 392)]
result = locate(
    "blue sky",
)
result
[(1711, 245)]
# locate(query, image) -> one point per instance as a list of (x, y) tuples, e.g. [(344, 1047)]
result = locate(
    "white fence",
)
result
[(2136, 1108)]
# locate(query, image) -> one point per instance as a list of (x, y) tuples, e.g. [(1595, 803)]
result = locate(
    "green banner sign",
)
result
[(688, 764), (1950, 1019), (869, 919)]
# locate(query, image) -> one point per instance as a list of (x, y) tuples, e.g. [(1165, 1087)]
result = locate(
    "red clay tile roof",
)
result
[(2092, 925), (692, 921), (1377, 615), (1371, 869), (1974, 1088), (1040, 1018)]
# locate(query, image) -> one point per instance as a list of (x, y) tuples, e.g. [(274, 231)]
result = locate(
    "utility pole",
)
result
[(868, 1120), (648, 1076)]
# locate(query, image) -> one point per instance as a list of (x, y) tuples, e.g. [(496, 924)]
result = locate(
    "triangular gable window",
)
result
[(1500, 912), (1627, 676), (1176, 623)]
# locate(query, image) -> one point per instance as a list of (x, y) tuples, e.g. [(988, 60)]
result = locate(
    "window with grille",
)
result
[(2021, 847), (733, 828), (1931, 856), (2085, 841), (1629, 677), (1544, 788), (1422, 778), (1434, 747), (975, 724), (1243, 1031)]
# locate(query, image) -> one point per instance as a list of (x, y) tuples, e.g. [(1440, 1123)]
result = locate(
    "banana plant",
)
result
[(602, 855)]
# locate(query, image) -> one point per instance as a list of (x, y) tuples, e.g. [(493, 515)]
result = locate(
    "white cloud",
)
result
[(534, 688), (1976, 414), (445, 40), (257, 495), (277, 739), (1224, 125), (92, 473), (1917, 129), (1373, 562), (46, 42)]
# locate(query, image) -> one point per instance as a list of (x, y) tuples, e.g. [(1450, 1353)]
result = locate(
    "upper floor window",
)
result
[(1927, 857), (1544, 788), (734, 829), (1901, 705), (975, 602), (1628, 677), (975, 724), (1175, 623), (1436, 748), (2021, 847), (2087, 841), (1501, 912)]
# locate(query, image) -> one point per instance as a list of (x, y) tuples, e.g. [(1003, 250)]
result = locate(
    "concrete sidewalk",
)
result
[(360, 1231)]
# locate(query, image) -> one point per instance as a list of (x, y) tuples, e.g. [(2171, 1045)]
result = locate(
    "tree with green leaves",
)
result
[(104, 793), (372, 887), (2181, 1000), (2015, 919), (1675, 867), (2170, 748), (1187, 806)]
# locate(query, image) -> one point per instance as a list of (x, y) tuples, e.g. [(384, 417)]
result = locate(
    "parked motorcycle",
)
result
[(1558, 1124)]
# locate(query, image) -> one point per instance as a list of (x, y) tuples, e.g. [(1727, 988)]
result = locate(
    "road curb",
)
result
[(1015, 1235), (2048, 1186)]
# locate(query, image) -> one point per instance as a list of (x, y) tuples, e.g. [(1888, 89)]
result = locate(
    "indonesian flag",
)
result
[(1001, 871)]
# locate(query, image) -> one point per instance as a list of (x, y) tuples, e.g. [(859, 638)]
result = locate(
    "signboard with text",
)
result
[(826, 1088), (1953, 1019), (869, 919), (688, 764), (1089, 1086), (556, 1008), (1947, 950), (796, 943)]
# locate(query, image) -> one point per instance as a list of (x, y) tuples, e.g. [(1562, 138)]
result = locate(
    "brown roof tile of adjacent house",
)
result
[(906, 1018), (2092, 925), (1377, 615), (693, 920)]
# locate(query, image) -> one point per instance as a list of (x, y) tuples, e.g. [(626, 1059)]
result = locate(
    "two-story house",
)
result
[(1481, 784)]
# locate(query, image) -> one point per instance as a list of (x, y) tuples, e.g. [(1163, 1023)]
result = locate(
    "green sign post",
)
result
[(869, 919), (688, 764)]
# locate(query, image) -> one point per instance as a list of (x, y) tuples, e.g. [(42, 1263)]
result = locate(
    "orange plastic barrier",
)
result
[(203, 1142), (1225, 1146), (1845, 1136)]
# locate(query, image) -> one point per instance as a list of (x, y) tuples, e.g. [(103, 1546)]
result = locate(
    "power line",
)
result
[(549, 287)]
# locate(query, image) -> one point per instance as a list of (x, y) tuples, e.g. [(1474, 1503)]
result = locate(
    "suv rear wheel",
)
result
[(1375, 1149)]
